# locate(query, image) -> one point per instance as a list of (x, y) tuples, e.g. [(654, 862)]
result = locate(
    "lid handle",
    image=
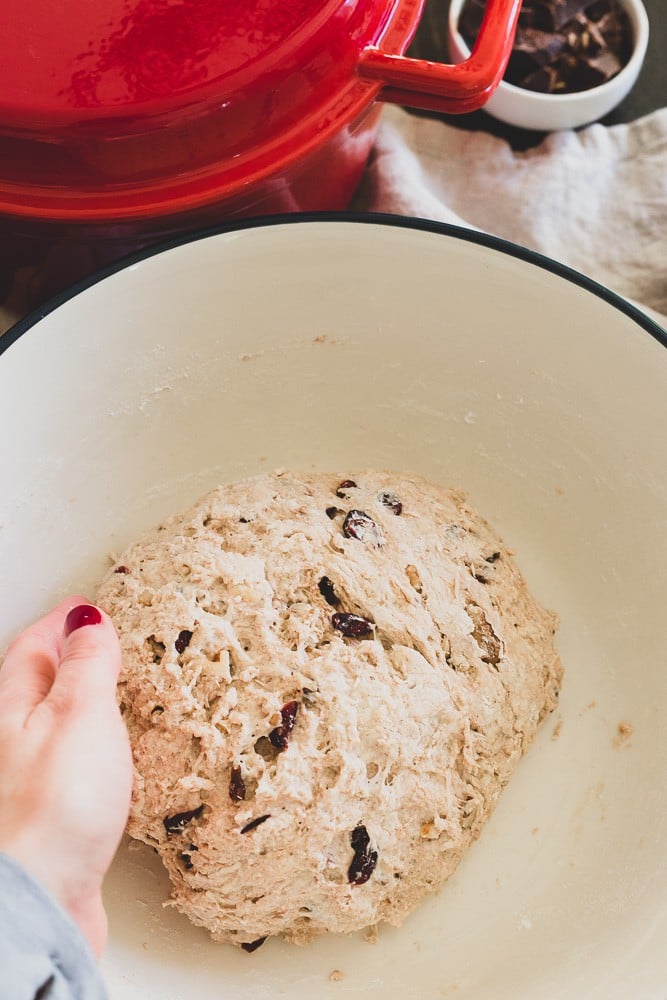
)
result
[(458, 89)]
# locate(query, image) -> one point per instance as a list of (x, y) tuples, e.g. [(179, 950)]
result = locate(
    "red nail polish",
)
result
[(84, 614)]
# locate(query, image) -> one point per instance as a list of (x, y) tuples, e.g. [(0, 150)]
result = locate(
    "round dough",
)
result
[(327, 682)]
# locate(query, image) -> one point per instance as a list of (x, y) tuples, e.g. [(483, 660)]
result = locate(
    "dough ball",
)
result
[(327, 682)]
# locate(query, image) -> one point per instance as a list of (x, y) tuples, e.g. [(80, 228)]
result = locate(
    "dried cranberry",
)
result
[(121, 569), (359, 525), (288, 713), (347, 484), (237, 789), (279, 737), (251, 946), (255, 823), (332, 511), (353, 626), (183, 640), (327, 591), (364, 860), (390, 500), (178, 822)]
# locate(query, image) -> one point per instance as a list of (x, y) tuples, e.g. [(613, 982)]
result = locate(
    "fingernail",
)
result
[(84, 614)]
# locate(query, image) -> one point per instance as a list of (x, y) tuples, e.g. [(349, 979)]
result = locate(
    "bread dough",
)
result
[(327, 681)]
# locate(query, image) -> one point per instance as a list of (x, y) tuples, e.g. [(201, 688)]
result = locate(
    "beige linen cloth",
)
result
[(595, 199)]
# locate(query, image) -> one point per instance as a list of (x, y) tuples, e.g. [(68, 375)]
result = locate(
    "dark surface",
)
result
[(648, 94)]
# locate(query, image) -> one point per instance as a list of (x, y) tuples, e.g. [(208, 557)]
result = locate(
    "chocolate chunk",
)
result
[(553, 15), (251, 946), (254, 823), (533, 49), (364, 860), (327, 591), (178, 822), (183, 640)]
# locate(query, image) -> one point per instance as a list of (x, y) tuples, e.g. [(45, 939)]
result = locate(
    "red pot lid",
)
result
[(121, 60), (103, 98), (121, 108)]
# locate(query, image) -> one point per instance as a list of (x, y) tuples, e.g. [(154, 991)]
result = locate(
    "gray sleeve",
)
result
[(43, 954)]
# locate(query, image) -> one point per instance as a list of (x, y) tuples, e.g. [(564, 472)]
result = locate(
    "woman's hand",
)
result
[(65, 761)]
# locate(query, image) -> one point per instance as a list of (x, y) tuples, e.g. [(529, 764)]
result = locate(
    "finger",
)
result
[(89, 664), (29, 667)]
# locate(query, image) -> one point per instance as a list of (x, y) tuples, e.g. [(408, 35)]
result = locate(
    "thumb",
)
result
[(90, 660)]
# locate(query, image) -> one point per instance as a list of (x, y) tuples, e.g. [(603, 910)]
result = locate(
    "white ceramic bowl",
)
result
[(333, 345), (550, 112)]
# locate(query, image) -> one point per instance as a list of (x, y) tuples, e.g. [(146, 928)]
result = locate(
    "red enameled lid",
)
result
[(84, 61), (102, 102)]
